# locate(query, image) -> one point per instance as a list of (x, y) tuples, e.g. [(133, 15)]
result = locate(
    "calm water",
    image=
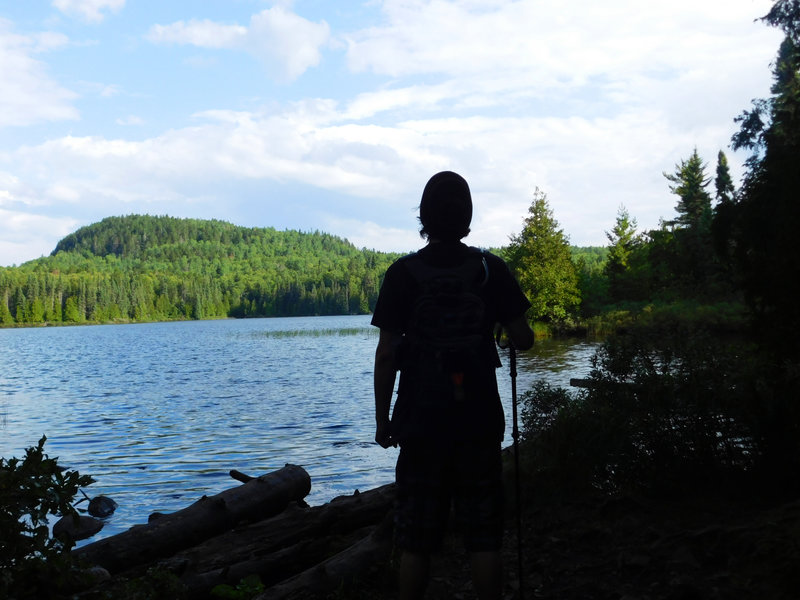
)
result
[(160, 413)]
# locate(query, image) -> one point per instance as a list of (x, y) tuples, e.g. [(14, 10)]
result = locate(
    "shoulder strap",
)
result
[(421, 270)]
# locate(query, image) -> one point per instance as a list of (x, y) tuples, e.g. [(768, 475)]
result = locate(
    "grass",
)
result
[(327, 332)]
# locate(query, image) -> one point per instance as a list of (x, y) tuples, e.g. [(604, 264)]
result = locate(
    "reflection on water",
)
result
[(159, 413)]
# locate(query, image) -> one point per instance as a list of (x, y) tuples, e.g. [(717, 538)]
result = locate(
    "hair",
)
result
[(445, 211)]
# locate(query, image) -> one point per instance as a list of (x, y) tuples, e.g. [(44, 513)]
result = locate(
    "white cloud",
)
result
[(287, 44), (202, 33), (30, 95), (89, 10), (510, 53), (381, 169), (131, 120), (367, 234), (25, 236)]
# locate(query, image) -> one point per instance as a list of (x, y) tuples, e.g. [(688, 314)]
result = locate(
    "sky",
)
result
[(328, 116)]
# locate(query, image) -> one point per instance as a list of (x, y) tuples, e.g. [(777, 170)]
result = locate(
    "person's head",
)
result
[(445, 210)]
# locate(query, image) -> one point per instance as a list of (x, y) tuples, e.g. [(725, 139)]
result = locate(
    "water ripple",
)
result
[(160, 413)]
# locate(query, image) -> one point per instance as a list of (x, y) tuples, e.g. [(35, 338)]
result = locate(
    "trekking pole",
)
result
[(512, 363), (512, 360)]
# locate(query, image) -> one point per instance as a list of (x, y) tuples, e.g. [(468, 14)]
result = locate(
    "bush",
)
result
[(34, 564), (669, 405)]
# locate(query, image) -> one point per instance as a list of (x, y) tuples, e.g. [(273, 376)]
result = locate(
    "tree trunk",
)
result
[(283, 545), (339, 570), (257, 499)]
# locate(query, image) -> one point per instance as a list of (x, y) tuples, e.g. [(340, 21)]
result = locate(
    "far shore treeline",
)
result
[(147, 268)]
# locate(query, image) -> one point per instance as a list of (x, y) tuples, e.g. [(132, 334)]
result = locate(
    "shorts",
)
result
[(432, 476)]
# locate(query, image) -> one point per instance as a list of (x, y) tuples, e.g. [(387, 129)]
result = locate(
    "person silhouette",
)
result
[(436, 311)]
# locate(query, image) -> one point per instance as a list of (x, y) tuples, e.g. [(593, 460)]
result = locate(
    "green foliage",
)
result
[(766, 217), (143, 268), (247, 588), (540, 258), (590, 262), (672, 402), (623, 269), (689, 183), (723, 212), (33, 564)]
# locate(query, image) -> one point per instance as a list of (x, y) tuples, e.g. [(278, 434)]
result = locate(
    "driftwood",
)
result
[(281, 546), (257, 499), (338, 570), (259, 528)]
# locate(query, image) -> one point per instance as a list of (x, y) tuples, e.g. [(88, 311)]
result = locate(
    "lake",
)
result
[(159, 413)]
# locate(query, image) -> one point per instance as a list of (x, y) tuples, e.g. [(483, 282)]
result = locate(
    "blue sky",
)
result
[(331, 116)]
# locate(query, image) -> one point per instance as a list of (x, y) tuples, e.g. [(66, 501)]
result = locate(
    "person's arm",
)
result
[(384, 376), (520, 333)]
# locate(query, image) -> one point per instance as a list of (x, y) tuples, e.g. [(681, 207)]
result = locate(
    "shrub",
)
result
[(34, 564), (669, 405)]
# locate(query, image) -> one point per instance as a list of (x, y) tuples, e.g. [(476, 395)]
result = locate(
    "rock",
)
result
[(102, 507), (97, 574), (76, 528)]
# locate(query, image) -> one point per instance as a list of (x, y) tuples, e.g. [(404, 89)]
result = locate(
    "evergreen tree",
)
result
[(689, 183), (722, 218), (540, 258), (723, 182), (693, 244), (767, 216), (623, 243), (6, 318)]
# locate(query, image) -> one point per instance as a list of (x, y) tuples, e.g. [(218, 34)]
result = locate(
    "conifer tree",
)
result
[(767, 219), (540, 258), (693, 245), (723, 182), (623, 242), (722, 219), (689, 183)]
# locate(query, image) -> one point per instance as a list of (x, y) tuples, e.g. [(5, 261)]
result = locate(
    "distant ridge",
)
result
[(150, 268), (134, 235)]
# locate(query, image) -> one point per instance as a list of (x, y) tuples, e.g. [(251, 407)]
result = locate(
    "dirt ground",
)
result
[(626, 548)]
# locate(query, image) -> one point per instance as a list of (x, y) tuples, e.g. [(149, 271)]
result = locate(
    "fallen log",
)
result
[(283, 545), (274, 567), (255, 500), (340, 570)]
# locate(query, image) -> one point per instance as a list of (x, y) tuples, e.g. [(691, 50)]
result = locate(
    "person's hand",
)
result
[(383, 435)]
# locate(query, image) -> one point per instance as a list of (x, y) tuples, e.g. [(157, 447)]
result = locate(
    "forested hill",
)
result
[(144, 268)]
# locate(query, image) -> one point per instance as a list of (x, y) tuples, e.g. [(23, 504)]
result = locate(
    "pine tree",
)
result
[(723, 182), (767, 218), (693, 244), (541, 260), (623, 242), (689, 182), (723, 213)]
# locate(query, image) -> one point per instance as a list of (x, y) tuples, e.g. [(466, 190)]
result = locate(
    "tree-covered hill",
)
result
[(142, 268)]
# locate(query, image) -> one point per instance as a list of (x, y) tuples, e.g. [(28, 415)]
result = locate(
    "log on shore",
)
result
[(272, 568), (260, 498), (281, 546), (339, 570)]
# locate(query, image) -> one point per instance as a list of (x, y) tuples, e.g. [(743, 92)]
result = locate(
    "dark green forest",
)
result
[(147, 268)]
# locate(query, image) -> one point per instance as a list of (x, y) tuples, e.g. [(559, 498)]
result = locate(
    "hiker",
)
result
[(436, 311)]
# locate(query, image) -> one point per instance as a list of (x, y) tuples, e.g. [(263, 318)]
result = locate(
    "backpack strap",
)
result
[(421, 270)]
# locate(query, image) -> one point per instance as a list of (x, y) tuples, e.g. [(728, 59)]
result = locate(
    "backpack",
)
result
[(447, 331)]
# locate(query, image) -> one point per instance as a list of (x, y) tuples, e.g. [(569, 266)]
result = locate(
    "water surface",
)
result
[(160, 413)]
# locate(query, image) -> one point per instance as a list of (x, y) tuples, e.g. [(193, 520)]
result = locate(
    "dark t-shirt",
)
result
[(417, 414)]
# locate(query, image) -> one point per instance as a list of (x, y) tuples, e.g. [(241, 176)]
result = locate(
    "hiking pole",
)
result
[(512, 363)]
